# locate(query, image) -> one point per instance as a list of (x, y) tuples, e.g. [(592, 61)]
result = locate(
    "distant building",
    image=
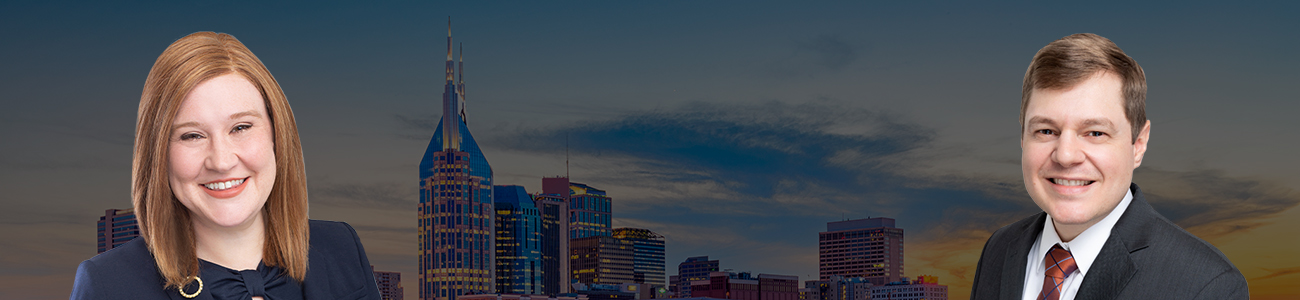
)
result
[(115, 228), (868, 248), (742, 286), (554, 213), (519, 297), (601, 260), (390, 284), (674, 290), (693, 269), (647, 257), (623, 291), (924, 288), (838, 288), (518, 242), (590, 211)]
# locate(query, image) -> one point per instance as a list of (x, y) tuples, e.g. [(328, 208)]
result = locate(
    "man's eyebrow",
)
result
[(1040, 120), (1098, 122), (252, 113)]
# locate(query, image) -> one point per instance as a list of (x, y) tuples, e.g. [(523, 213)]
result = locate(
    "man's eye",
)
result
[(241, 127), (1045, 131), (190, 136), (1096, 133)]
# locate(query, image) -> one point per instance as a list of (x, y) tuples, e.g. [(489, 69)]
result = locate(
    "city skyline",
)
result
[(733, 130)]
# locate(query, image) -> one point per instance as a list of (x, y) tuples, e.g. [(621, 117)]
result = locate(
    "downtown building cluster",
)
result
[(478, 239)]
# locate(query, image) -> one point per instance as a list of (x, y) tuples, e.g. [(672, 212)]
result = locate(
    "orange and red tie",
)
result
[(1060, 264)]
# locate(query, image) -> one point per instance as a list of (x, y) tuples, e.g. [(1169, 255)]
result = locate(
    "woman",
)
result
[(220, 192)]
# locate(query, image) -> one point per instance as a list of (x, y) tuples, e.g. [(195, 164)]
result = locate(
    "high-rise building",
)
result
[(390, 284), (601, 260), (554, 213), (868, 248), (456, 221), (838, 288), (924, 288), (115, 228), (518, 241), (693, 269), (590, 212), (647, 257)]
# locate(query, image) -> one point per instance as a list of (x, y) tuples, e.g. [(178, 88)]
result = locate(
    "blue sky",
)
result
[(736, 129)]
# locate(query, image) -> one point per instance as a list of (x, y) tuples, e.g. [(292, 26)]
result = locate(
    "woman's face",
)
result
[(221, 160)]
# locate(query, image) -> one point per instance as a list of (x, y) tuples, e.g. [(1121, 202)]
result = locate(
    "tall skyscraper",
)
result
[(115, 228), (647, 256), (456, 221), (518, 241), (590, 211), (554, 211), (693, 269), (390, 284), (868, 248), (601, 260)]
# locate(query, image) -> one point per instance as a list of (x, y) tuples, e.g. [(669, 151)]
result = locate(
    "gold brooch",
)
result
[(196, 293)]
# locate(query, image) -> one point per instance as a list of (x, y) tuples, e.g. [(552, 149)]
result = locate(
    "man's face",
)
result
[(1077, 151)]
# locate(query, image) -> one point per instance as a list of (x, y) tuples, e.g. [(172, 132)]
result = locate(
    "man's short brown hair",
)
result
[(1073, 59)]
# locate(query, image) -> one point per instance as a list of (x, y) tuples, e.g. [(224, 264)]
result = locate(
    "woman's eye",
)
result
[(241, 127), (190, 136)]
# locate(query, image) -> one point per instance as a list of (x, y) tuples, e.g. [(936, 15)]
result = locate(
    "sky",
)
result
[(734, 129)]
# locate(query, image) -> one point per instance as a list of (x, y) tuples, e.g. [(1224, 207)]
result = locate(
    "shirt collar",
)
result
[(1087, 245)]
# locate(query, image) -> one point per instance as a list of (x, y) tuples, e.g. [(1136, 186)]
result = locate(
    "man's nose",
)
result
[(1068, 151)]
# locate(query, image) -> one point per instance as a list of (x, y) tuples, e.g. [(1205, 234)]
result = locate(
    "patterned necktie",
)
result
[(1060, 264)]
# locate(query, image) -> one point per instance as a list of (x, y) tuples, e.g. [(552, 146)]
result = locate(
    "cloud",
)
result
[(1277, 272), (371, 195), (1210, 203)]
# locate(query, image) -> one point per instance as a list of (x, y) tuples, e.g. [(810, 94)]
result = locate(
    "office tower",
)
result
[(115, 228), (589, 211), (601, 260), (647, 255), (390, 284), (693, 269), (924, 288), (868, 248), (743, 286), (838, 288), (518, 241), (554, 212), (456, 208)]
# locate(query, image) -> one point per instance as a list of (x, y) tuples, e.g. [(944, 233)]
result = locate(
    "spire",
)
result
[(460, 88), (449, 61)]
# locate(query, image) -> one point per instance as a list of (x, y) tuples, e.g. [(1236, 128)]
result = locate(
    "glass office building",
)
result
[(518, 241)]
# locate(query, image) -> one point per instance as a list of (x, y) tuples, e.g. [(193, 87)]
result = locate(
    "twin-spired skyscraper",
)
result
[(456, 208)]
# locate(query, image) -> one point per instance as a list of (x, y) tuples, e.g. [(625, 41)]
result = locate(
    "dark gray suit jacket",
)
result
[(337, 268), (1146, 257)]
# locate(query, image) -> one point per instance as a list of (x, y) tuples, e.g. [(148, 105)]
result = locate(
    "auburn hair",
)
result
[(1073, 59), (165, 223)]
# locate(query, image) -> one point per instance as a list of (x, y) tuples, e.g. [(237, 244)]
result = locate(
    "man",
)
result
[(1083, 131)]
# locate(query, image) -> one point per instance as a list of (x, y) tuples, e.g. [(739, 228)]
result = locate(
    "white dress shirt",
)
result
[(1084, 248)]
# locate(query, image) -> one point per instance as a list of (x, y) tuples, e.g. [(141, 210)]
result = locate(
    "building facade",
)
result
[(924, 288), (455, 226), (693, 269), (601, 260), (838, 288), (115, 228), (590, 211), (647, 257), (518, 242), (743, 286), (553, 211), (868, 248), (390, 284)]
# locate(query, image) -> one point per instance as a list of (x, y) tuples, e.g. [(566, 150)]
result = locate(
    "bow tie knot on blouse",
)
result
[(266, 282)]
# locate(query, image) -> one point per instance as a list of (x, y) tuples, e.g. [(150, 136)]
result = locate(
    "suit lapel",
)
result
[(1013, 272), (1114, 266)]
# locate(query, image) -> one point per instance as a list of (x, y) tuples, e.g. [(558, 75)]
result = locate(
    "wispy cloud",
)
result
[(371, 195)]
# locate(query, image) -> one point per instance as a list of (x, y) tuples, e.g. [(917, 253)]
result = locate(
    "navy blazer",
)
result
[(337, 268), (1146, 257)]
